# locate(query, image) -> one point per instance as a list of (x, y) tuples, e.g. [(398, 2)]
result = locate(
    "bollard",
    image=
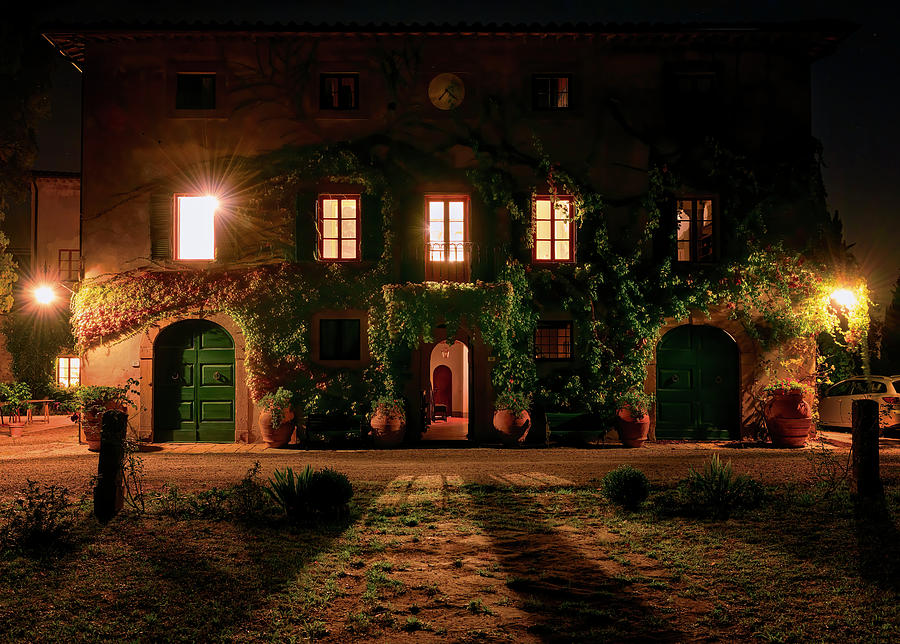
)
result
[(865, 481), (109, 494)]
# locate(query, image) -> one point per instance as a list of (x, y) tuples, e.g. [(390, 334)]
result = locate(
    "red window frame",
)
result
[(701, 248), (69, 378), (552, 239), (445, 199), (320, 208), (69, 264)]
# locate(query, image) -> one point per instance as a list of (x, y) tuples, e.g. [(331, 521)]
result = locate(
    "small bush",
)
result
[(626, 486), (310, 492), (291, 491), (42, 518), (330, 492), (248, 498), (717, 492)]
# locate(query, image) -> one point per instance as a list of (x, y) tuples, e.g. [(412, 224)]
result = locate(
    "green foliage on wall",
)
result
[(34, 341)]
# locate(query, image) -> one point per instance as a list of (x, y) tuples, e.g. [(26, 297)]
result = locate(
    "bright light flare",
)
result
[(844, 298), (44, 294), (196, 227)]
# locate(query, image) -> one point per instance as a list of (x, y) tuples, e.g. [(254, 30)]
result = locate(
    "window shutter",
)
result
[(161, 225), (371, 224), (306, 235)]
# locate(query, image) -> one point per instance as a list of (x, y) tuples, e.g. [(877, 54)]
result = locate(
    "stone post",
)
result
[(865, 480), (109, 494)]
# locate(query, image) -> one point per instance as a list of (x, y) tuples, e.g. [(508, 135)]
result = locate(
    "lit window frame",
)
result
[(324, 79), (556, 325), (177, 241), (460, 257), (694, 240), (536, 79), (553, 239), (320, 227), (68, 380)]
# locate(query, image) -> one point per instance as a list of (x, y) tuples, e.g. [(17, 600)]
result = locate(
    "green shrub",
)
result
[(330, 492), (717, 492), (626, 486), (40, 519), (248, 498)]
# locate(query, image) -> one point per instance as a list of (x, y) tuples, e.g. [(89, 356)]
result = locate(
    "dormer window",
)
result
[(195, 227), (554, 230), (695, 229)]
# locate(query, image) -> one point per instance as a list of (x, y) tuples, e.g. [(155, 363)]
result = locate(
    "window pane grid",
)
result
[(553, 230), (68, 371), (551, 92), (695, 238), (339, 227), (69, 264), (553, 341), (446, 230)]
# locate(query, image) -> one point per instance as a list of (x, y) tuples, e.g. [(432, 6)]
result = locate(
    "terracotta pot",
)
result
[(513, 428), (633, 432), (387, 430), (788, 418), (91, 426), (16, 429), (277, 436)]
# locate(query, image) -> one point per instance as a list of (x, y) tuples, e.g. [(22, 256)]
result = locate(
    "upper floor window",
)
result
[(195, 227), (68, 371), (195, 91), (339, 339), (551, 91), (695, 85), (69, 264), (554, 230), (695, 229), (553, 341), (339, 228), (447, 247), (339, 92)]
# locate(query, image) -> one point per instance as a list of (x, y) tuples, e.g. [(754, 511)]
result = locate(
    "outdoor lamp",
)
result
[(44, 294), (844, 298)]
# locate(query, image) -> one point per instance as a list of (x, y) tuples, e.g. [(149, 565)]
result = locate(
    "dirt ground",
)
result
[(51, 454)]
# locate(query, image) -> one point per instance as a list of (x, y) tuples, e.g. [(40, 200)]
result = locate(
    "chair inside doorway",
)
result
[(446, 400)]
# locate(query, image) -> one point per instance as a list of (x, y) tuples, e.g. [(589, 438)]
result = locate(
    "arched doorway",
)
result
[(697, 384), (193, 376), (449, 378)]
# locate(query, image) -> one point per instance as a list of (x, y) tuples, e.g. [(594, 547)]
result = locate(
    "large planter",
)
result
[(633, 432), (512, 427), (91, 427), (788, 418), (388, 430), (16, 428), (277, 436)]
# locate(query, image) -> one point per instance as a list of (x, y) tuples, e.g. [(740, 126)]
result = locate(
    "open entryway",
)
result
[(447, 393), (193, 383)]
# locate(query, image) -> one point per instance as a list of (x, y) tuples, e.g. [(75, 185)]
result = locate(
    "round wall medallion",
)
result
[(446, 91)]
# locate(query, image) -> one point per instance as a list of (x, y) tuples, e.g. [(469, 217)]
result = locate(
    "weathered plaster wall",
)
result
[(458, 363)]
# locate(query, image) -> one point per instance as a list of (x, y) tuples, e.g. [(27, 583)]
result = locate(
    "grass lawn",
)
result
[(433, 558)]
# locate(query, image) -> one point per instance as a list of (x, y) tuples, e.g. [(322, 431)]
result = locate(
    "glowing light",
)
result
[(44, 294), (196, 227), (844, 298)]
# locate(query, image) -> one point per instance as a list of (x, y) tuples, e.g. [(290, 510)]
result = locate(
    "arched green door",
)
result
[(193, 383), (697, 384)]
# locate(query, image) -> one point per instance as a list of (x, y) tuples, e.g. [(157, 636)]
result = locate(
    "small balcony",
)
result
[(448, 261)]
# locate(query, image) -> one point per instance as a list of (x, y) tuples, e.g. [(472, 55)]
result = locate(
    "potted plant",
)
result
[(633, 417), (788, 416), (96, 399), (14, 397), (511, 417), (276, 420), (388, 421)]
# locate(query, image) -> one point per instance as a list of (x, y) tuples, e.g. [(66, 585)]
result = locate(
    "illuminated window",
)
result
[(195, 227), (554, 230), (68, 371), (447, 246), (695, 230), (553, 341), (69, 264), (339, 92), (339, 228), (195, 91), (551, 92)]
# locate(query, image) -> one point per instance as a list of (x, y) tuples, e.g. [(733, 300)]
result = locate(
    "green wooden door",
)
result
[(193, 383), (697, 384)]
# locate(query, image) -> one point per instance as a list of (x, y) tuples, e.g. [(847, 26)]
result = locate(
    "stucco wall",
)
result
[(458, 363)]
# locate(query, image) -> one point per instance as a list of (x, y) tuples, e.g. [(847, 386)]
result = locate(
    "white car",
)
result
[(835, 407)]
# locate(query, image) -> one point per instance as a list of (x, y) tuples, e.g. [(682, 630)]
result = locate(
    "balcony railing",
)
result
[(448, 261)]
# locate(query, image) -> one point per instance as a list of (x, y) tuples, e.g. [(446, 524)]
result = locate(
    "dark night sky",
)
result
[(854, 103)]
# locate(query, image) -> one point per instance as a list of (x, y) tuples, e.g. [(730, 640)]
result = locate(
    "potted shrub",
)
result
[(633, 417), (276, 420), (788, 416), (388, 421), (96, 399), (511, 417), (14, 396)]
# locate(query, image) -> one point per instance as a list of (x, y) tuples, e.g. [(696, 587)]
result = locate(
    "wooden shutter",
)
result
[(372, 227), (162, 226), (306, 235)]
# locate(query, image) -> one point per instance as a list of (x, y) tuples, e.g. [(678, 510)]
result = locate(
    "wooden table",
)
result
[(45, 411)]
